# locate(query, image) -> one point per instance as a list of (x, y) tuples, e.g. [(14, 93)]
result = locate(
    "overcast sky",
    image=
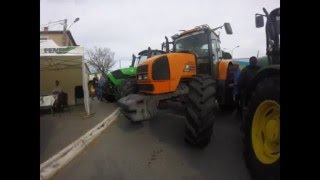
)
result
[(129, 26)]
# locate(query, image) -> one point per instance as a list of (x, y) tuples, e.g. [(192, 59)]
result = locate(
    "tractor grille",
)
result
[(160, 69), (142, 69), (146, 87)]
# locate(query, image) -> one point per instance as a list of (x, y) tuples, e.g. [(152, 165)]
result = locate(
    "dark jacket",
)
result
[(246, 76), (236, 76)]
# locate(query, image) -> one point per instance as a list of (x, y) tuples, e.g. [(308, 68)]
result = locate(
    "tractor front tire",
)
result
[(108, 95), (201, 103), (127, 86), (262, 130)]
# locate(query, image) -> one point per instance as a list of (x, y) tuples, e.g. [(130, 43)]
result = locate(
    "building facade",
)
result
[(58, 37)]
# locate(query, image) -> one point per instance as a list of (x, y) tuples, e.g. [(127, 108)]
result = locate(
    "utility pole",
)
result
[(120, 63), (63, 22), (258, 54), (64, 37)]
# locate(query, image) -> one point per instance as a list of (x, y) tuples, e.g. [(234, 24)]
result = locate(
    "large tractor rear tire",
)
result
[(110, 98), (127, 86), (108, 95), (262, 130), (201, 105)]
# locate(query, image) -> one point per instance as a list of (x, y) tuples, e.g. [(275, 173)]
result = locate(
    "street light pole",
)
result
[(65, 29), (76, 20), (63, 22), (234, 49)]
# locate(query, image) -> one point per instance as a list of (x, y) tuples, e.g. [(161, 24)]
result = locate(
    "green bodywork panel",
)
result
[(116, 77), (263, 61), (127, 72)]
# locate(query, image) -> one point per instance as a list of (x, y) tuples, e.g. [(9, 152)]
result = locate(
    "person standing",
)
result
[(57, 89), (236, 96), (91, 89), (246, 75), (101, 84), (61, 98), (95, 86), (229, 88)]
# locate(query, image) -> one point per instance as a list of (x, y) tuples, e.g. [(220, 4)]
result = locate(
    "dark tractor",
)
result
[(261, 107)]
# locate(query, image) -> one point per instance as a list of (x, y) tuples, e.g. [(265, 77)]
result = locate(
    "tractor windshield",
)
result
[(196, 43), (143, 58)]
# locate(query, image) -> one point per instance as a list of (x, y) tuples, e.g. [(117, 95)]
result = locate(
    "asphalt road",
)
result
[(155, 150)]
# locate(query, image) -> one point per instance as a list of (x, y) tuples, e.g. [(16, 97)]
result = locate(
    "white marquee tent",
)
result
[(65, 64)]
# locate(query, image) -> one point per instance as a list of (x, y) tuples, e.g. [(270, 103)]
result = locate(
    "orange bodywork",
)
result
[(222, 68), (177, 63)]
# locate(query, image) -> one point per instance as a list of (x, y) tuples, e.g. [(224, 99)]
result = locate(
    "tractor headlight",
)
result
[(140, 77), (186, 68), (145, 76)]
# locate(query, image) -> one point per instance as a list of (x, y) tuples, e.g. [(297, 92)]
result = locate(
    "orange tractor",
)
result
[(194, 72)]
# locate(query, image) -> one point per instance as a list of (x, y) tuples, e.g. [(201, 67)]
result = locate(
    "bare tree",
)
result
[(102, 59)]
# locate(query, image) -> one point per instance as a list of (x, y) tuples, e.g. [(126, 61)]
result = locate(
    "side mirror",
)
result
[(167, 44), (228, 28), (259, 21)]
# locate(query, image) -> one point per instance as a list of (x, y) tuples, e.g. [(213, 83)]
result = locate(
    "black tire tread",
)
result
[(200, 110), (127, 86), (269, 88), (108, 95)]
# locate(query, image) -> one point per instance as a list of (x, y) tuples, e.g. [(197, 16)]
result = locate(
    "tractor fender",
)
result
[(272, 70), (221, 76), (111, 79), (222, 69)]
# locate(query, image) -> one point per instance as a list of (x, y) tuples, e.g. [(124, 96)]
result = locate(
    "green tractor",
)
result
[(121, 76), (261, 107), (263, 61)]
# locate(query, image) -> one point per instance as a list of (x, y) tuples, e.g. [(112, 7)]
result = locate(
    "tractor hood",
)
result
[(118, 75)]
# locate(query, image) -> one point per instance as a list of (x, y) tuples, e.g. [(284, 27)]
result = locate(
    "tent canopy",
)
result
[(60, 62), (65, 64)]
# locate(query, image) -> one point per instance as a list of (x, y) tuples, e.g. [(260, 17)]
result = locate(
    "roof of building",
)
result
[(61, 32)]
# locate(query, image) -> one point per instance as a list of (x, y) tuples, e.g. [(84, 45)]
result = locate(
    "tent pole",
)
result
[(85, 88)]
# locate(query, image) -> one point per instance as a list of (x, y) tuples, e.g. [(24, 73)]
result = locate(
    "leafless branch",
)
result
[(102, 59)]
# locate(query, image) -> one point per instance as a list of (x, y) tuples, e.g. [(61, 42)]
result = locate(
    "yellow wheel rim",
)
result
[(265, 132)]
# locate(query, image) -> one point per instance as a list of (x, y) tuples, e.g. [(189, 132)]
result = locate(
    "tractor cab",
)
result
[(144, 55), (272, 33), (204, 43)]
